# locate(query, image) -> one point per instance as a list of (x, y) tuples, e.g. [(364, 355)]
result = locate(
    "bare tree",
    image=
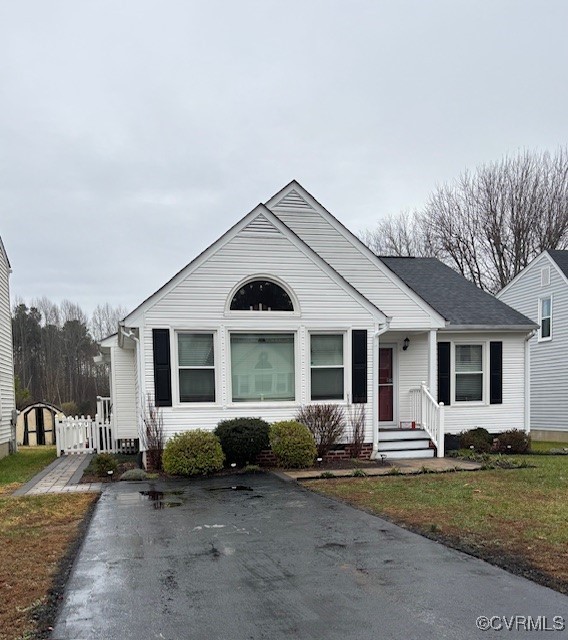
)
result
[(487, 224), (402, 235), (105, 319), (70, 311)]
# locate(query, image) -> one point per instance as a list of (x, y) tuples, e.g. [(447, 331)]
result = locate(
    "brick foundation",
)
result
[(342, 452)]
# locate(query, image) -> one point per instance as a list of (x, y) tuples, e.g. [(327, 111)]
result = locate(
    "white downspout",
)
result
[(528, 381), (379, 332)]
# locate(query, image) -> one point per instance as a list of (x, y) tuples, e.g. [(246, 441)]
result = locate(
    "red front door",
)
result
[(386, 385)]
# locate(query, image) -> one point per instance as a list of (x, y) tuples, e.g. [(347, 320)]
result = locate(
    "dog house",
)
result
[(36, 424)]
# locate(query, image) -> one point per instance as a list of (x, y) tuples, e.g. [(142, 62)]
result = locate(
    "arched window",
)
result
[(261, 295)]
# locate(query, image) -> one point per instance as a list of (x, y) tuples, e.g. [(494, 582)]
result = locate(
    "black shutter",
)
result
[(444, 372), (162, 368), (359, 366), (496, 372)]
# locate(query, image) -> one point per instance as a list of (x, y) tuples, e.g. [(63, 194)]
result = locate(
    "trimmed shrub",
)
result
[(326, 423), (292, 444), (242, 439), (512, 441), (103, 463), (193, 453), (134, 475), (479, 439)]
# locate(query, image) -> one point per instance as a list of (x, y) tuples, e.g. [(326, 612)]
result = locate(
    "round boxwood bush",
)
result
[(242, 439), (513, 441), (292, 444), (103, 463), (478, 439), (193, 453)]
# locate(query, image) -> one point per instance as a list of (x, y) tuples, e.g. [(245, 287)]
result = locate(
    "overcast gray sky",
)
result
[(134, 133)]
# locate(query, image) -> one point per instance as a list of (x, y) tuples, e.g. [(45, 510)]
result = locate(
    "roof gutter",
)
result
[(490, 327), (381, 329)]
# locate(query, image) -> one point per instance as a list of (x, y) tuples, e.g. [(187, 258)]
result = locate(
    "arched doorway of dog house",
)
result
[(36, 424)]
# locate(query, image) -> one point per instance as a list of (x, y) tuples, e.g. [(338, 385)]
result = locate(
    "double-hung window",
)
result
[(469, 372), (545, 316), (196, 361), (327, 369)]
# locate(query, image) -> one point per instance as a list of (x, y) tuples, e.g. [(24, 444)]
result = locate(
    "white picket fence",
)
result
[(84, 435)]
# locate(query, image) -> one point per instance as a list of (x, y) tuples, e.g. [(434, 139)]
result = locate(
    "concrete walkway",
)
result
[(61, 476), (402, 467)]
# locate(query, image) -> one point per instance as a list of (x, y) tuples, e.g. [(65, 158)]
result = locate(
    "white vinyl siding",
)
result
[(493, 417), (123, 392), (199, 303), (7, 403), (356, 268), (548, 358)]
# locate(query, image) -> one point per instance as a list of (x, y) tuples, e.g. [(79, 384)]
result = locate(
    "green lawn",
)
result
[(36, 535), (20, 467), (516, 518)]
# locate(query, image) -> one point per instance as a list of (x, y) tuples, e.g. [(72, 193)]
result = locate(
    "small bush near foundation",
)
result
[(242, 439), (193, 453), (103, 463), (292, 444), (326, 423), (478, 439), (134, 475), (512, 441)]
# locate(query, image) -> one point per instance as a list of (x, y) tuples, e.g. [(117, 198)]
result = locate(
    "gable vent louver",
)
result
[(545, 277), (262, 225), (292, 200)]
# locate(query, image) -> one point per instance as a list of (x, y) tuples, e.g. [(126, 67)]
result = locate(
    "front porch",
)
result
[(408, 420)]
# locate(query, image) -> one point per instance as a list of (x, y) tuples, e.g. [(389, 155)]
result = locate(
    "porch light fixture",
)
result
[(406, 342)]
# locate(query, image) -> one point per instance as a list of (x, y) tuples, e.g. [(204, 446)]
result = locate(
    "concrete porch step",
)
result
[(402, 434), (401, 454), (394, 445)]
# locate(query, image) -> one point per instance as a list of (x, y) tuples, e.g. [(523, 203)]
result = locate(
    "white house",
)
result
[(289, 308), (7, 401), (540, 291)]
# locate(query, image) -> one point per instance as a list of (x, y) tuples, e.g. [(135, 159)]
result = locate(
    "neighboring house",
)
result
[(289, 308), (7, 401), (540, 291)]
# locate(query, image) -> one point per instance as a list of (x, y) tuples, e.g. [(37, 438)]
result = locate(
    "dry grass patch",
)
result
[(36, 533), (513, 518)]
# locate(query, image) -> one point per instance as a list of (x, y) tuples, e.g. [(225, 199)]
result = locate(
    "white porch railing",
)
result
[(428, 414), (84, 435)]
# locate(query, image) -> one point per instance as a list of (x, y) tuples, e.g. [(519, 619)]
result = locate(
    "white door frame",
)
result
[(394, 347)]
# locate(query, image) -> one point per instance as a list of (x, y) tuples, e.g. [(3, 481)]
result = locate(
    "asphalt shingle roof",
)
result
[(458, 300), (561, 258)]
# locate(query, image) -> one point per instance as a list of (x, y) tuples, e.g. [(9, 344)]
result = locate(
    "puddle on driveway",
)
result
[(162, 499)]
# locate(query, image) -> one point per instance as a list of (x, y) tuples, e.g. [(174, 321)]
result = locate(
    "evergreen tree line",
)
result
[(54, 347)]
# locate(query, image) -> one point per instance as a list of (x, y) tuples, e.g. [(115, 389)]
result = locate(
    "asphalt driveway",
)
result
[(271, 560)]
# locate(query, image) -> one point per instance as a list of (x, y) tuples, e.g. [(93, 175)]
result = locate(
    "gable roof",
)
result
[(294, 196), (560, 256), (3, 253), (461, 302), (258, 219)]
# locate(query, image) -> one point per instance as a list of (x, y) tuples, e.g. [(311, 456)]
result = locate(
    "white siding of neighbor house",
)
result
[(548, 359), (123, 382), (356, 268), (7, 403), (199, 303), (493, 417)]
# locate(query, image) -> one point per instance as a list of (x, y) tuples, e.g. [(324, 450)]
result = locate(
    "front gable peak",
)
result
[(292, 200)]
